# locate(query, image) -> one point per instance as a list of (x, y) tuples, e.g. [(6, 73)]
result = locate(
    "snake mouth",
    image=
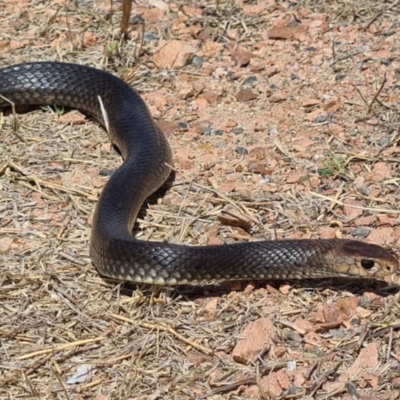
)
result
[(370, 260), (355, 269), (376, 268), (388, 269)]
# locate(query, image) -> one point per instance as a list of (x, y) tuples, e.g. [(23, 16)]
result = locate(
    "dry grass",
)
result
[(56, 312)]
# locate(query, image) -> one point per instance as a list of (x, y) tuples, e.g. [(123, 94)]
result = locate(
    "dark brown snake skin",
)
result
[(113, 249)]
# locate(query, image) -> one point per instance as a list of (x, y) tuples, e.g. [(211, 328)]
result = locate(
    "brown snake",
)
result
[(146, 153)]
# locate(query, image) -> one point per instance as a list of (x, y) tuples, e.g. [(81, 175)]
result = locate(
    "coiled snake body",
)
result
[(146, 153)]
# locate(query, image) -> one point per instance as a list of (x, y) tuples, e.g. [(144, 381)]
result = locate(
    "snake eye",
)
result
[(367, 264)]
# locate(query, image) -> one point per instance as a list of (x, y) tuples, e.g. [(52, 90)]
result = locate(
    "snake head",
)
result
[(366, 260)]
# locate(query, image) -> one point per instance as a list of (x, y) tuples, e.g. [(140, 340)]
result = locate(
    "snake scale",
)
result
[(146, 154)]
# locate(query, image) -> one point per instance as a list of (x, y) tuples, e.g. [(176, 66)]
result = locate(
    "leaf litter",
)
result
[(283, 119)]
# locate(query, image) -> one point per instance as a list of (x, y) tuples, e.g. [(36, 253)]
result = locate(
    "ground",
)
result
[(283, 119)]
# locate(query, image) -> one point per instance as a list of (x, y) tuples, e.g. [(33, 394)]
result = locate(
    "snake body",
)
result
[(146, 154)]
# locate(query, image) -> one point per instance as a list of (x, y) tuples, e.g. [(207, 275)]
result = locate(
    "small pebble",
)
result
[(136, 20), (250, 81), (339, 76), (365, 302), (207, 130), (183, 126), (361, 232), (387, 61), (231, 76), (337, 333), (237, 131), (390, 33), (149, 37), (366, 191), (292, 336), (321, 119), (245, 95), (293, 390), (356, 321), (218, 132), (384, 142), (197, 61), (277, 98), (106, 172), (241, 150), (291, 365)]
